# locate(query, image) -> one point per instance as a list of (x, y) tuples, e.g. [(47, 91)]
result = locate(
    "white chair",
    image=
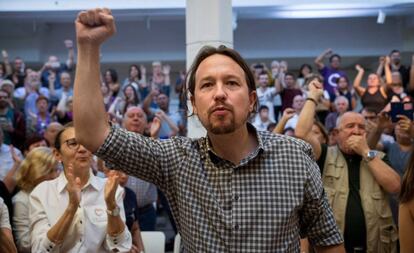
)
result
[(177, 243), (154, 241)]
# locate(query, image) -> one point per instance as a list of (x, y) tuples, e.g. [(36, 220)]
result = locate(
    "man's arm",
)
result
[(287, 114), (93, 27), (383, 174), (71, 53), (319, 60), (306, 118)]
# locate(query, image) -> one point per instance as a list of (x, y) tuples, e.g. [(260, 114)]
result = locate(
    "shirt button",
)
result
[(236, 197), (80, 239), (236, 227), (80, 222)]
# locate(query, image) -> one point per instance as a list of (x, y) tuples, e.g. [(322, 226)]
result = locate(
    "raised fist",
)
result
[(94, 26)]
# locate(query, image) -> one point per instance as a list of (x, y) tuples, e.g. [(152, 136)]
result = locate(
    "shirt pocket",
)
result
[(97, 215)]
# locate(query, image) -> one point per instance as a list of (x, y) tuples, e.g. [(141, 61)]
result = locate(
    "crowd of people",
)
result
[(54, 197)]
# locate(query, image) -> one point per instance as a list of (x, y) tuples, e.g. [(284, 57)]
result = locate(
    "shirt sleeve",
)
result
[(317, 220), (39, 226), (143, 157), (21, 225), (4, 216), (123, 241)]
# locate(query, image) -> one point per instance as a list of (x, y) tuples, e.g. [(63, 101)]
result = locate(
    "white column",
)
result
[(208, 22)]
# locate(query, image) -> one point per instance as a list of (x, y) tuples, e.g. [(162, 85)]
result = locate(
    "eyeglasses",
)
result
[(72, 143)]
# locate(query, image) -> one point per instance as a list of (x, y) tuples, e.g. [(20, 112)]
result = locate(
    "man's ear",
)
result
[(193, 105), (252, 100)]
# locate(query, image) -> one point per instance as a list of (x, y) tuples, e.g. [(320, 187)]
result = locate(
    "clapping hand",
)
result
[(73, 187), (111, 186)]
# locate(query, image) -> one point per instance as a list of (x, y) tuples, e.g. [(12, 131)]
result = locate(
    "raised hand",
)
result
[(73, 187), (358, 143), (111, 185), (359, 68), (16, 158), (315, 89), (68, 44), (288, 113), (382, 60), (4, 54), (404, 123), (94, 26), (155, 127), (387, 60), (166, 69), (143, 69)]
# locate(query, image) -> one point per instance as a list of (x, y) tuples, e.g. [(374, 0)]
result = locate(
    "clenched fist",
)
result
[(94, 26)]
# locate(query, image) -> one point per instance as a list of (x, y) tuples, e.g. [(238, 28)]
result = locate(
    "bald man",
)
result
[(357, 180)]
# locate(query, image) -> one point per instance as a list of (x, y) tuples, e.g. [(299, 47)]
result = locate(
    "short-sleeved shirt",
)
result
[(263, 204), (330, 76)]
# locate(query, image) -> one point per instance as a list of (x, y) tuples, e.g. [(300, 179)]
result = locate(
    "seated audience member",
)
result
[(6, 158), (11, 121), (36, 123), (330, 74), (346, 90), (289, 92), (38, 166), (55, 68), (51, 131), (297, 105), (357, 180), (111, 81), (6, 236), (406, 209), (170, 121), (374, 96), (341, 106), (77, 212), (262, 122)]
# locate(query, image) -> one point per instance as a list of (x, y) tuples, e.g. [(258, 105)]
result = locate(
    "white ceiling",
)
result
[(64, 10)]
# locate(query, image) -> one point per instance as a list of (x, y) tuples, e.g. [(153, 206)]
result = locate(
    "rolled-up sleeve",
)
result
[(39, 226), (317, 219)]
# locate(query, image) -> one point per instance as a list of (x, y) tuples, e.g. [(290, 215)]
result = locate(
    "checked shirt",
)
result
[(264, 204)]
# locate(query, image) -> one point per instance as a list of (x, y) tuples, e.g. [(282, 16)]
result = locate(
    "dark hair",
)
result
[(302, 67), (113, 74), (322, 129), (136, 98), (41, 97), (208, 51), (333, 56), (339, 78), (31, 140), (3, 68), (290, 74), (407, 186), (139, 71), (394, 51), (262, 107), (58, 143)]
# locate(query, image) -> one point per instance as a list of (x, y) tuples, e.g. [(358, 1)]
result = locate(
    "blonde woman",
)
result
[(40, 165)]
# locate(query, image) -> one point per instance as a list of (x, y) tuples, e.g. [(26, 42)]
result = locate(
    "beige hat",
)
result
[(6, 82)]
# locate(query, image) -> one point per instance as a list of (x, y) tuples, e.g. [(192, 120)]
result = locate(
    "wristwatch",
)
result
[(114, 212), (371, 155)]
